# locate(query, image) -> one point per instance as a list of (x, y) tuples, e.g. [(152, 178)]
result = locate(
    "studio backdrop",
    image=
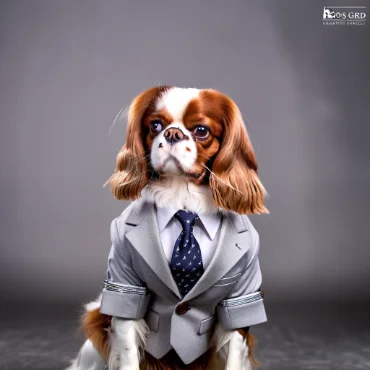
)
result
[(67, 68)]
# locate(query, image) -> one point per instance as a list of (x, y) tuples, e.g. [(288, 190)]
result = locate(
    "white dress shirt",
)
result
[(206, 231)]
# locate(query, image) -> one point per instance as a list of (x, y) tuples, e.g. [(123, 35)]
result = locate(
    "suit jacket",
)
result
[(140, 284)]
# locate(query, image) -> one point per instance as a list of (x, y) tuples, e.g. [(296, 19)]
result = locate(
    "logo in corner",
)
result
[(344, 15), (328, 13)]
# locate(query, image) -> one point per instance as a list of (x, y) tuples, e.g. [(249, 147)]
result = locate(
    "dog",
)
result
[(187, 150)]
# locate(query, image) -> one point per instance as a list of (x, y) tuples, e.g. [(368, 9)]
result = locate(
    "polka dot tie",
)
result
[(186, 263)]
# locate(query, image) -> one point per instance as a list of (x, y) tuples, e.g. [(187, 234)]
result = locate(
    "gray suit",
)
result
[(140, 283)]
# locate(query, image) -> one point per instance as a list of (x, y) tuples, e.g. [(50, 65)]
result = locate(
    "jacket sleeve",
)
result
[(244, 306), (124, 294)]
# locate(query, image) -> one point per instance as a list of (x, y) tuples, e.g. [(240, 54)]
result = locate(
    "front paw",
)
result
[(129, 359), (237, 358), (126, 343), (129, 367), (124, 359)]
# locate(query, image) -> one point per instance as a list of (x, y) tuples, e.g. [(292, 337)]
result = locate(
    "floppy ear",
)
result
[(131, 173), (234, 181)]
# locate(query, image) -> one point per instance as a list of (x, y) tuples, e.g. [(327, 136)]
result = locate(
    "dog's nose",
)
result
[(174, 135)]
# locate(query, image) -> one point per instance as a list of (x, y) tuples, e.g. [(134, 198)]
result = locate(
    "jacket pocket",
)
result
[(152, 320), (206, 324)]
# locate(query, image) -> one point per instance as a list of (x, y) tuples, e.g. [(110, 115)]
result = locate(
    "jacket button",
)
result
[(182, 308)]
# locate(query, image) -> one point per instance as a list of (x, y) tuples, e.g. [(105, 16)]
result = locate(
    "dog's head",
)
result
[(196, 134)]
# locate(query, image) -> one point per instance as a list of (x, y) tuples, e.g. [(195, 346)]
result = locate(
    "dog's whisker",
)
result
[(218, 179), (137, 178), (119, 116), (204, 156), (125, 111), (139, 154)]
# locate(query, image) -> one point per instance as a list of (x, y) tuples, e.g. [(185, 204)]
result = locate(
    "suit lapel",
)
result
[(230, 248), (146, 240)]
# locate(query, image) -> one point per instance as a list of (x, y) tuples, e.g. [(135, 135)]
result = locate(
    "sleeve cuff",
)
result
[(243, 311), (126, 301)]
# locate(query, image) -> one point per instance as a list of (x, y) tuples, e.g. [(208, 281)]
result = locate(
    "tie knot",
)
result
[(187, 219)]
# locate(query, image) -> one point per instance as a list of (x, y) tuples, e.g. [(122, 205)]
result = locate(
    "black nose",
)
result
[(173, 135)]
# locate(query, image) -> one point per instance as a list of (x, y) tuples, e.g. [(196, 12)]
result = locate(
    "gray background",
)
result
[(68, 67)]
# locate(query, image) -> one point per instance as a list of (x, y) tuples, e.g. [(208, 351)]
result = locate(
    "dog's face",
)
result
[(196, 134), (181, 133)]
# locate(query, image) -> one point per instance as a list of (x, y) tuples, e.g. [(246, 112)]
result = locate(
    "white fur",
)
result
[(232, 348), (91, 306), (88, 359), (176, 100), (127, 342), (172, 158), (180, 193), (166, 157)]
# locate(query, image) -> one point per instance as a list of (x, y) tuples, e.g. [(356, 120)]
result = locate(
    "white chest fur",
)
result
[(179, 193)]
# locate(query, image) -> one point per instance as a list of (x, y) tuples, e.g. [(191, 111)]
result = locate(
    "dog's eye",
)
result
[(155, 126), (201, 132)]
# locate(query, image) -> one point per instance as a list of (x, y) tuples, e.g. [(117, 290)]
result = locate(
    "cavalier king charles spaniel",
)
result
[(188, 148)]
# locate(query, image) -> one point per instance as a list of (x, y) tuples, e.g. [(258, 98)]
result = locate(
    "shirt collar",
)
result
[(211, 222), (164, 216)]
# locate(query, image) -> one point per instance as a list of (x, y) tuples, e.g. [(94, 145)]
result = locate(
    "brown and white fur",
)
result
[(188, 148)]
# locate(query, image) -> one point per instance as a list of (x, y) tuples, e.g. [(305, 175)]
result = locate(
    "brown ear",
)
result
[(234, 181), (131, 173)]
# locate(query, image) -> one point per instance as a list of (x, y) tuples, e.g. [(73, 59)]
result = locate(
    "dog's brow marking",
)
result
[(176, 100)]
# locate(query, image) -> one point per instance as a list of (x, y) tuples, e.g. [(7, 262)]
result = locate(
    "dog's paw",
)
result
[(237, 357), (129, 367), (129, 359), (127, 339)]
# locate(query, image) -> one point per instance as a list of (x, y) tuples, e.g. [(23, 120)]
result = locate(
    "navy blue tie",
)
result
[(186, 263)]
